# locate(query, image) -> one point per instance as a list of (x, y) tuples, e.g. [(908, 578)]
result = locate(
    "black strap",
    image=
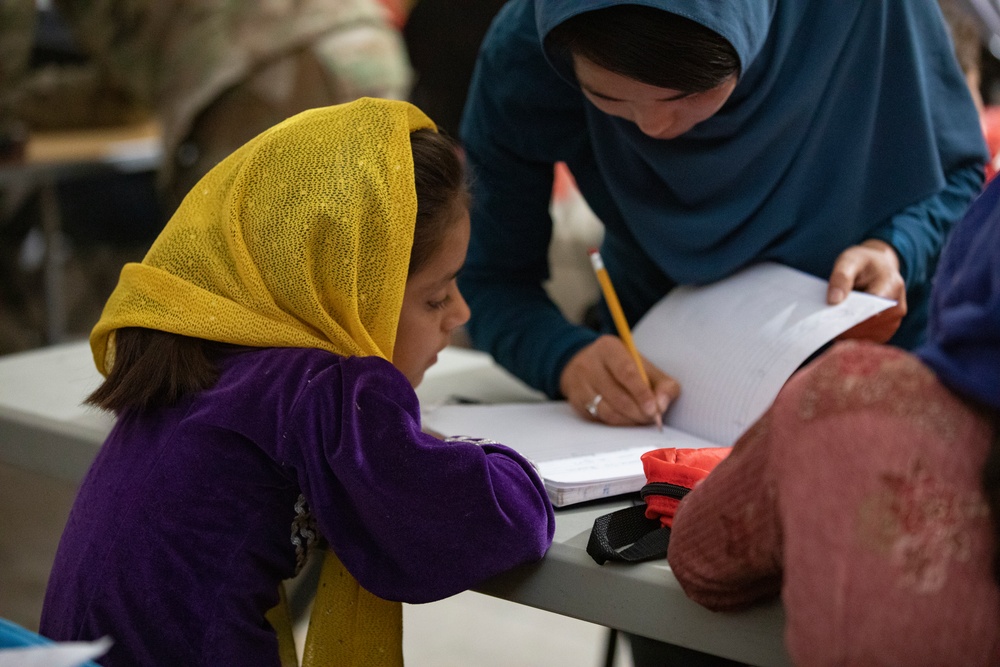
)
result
[(626, 535)]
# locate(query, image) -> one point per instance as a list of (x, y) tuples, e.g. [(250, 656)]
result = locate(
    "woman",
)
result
[(842, 141), (869, 494)]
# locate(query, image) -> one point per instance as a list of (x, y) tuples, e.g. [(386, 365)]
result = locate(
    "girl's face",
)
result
[(432, 306), (660, 113)]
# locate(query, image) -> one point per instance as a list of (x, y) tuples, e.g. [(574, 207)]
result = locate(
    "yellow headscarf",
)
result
[(301, 238)]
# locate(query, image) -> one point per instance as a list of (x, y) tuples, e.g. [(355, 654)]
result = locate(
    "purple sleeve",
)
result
[(412, 517)]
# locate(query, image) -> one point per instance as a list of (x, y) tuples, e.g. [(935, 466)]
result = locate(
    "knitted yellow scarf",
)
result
[(301, 238)]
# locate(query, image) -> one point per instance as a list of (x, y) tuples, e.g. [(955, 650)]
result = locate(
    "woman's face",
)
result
[(660, 113), (432, 306)]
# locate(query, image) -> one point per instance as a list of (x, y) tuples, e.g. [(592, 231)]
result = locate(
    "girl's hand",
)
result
[(871, 267), (605, 369)]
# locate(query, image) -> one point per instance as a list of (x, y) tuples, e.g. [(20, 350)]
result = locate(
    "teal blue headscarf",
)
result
[(809, 138), (743, 24)]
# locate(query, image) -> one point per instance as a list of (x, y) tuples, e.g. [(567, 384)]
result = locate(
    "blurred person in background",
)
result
[(213, 75)]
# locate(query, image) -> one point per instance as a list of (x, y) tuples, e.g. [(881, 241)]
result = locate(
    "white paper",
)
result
[(734, 343), (563, 447), (65, 654)]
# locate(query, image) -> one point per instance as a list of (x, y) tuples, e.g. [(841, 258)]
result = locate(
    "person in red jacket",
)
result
[(868, 495)]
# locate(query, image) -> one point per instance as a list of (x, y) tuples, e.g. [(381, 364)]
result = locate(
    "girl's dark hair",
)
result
[(991, 489), (155, 368), (649, 45), (442, 192)]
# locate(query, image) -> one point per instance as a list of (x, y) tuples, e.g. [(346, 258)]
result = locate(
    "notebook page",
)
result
[(565, 448), (734, 343)]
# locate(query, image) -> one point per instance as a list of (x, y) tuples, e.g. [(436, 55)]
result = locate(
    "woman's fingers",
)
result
[(605, 369), (871, 267)]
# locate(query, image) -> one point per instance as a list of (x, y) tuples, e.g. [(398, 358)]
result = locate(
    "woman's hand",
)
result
[(605, 369), (871, 267)]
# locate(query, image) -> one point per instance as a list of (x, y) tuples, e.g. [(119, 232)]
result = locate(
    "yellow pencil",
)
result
[(611, 297)]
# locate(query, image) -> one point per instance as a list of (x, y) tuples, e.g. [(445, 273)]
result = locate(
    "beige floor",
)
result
[(466, 630)]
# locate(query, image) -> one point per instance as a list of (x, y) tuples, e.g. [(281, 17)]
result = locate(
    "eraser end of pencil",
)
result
[(595, 259)]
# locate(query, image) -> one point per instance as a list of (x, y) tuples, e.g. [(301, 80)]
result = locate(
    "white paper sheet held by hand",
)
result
[(65, 654)]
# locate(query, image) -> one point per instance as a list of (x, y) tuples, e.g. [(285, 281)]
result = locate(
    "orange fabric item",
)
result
[(990, 117), (680, 467)]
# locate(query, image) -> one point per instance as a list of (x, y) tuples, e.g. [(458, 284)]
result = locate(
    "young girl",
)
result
[(261, 361)]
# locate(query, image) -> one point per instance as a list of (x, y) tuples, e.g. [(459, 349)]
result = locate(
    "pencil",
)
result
[(611, 298)]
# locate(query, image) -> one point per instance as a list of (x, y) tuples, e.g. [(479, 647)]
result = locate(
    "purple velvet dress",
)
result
[(183, 527)]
